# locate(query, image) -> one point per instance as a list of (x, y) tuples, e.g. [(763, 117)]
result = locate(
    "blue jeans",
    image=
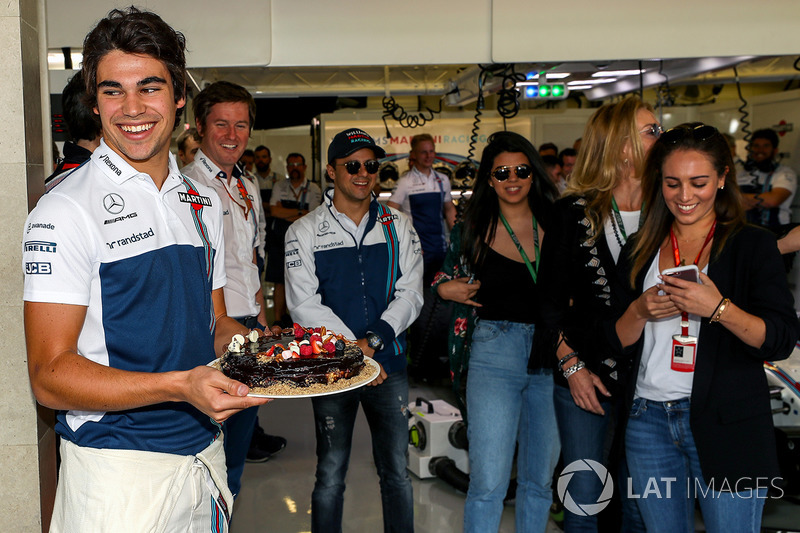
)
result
[(585, 435), (508, 406), (385, 407), (665, 474)]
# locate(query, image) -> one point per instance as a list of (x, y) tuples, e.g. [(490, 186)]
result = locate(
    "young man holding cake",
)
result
[(355, 267), (124, 304)]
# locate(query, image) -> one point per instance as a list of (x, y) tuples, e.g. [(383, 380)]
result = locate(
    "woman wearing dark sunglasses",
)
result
[(600, 211), (700, 423), (491, 268)]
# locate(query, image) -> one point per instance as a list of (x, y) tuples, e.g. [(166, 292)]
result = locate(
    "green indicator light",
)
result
[(558, 90), (544, 91)]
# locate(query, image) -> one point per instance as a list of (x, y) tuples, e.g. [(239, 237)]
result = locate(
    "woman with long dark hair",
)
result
[(599, 212), (491, 266), (700, 424)]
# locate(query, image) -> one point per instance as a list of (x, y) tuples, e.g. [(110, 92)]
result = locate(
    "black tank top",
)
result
[(507, 290)]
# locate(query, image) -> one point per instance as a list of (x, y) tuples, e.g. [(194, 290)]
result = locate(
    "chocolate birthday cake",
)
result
[(300, 357)]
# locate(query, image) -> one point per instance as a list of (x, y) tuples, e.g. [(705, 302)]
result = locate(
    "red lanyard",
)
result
[(677, 255), (242, 191)]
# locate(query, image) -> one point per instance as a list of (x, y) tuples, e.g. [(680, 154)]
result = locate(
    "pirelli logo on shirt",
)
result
[(40, 246), (187, 198)]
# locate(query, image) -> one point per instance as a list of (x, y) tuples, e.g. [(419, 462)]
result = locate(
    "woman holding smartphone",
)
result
[(700, 412), (492, 266)]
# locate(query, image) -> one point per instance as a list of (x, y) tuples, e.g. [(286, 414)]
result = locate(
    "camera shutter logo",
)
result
[(585, 508)]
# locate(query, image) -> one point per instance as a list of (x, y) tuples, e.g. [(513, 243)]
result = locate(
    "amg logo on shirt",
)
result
[(40, 246), (188, 198), (38, 268), (112, 220), (107, 160)]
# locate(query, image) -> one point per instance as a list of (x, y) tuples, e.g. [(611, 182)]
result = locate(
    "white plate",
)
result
[(372, 370)]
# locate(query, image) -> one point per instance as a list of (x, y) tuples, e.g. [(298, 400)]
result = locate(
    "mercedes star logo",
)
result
[(324, 226), (114, 203)]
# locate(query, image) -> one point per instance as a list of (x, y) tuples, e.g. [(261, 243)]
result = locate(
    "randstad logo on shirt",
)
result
[(40, 246), (136, 237)]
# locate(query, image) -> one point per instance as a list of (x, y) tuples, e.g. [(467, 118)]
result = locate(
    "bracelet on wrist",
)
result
[(574, 368), (566, 358), (723, 305)]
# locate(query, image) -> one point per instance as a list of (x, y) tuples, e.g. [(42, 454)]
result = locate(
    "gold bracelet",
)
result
[(721, 309)]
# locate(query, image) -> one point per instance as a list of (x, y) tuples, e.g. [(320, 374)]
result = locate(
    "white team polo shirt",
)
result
[(143, 262), (240, 230)]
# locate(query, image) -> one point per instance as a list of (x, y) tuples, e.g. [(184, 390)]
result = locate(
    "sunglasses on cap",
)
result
[(700, 133), (354, 166), (503, 173)]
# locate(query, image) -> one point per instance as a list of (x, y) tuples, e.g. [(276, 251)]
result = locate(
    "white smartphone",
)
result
[(687, 272)]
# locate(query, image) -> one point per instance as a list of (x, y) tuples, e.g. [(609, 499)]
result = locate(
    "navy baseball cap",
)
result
[(348, 141)]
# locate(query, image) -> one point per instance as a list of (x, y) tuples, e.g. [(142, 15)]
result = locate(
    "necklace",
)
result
[(616, 222)]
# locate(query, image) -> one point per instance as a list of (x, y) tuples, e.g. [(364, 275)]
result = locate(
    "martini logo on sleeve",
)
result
[(40, 246)]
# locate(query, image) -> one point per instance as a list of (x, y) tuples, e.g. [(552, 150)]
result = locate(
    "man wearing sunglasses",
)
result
[(354, 266)]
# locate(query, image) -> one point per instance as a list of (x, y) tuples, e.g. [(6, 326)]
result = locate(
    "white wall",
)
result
[(353, 32)]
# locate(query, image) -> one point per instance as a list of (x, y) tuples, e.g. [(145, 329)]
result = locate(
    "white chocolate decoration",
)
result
[(287, 354), (253, 335), (234, 346), (239, 338)]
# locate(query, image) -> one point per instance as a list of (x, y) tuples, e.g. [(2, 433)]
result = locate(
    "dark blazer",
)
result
[(731, 418), (578, 290)]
